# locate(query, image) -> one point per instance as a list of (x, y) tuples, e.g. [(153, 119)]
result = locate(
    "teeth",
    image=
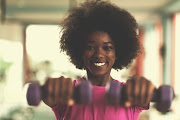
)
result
[(99, 64)]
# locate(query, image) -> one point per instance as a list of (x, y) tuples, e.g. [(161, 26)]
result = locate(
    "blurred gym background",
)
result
[(29, 50)]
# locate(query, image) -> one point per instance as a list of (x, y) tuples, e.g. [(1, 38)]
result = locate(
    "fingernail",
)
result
[(128, 104), (71, 102)]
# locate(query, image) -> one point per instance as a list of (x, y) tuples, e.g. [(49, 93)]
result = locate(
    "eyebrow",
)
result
[(104, 42), (108, 42)]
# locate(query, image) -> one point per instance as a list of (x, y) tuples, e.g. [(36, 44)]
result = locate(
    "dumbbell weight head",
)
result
[(114, 93), (83, 92), (164, 98), (34, 94)]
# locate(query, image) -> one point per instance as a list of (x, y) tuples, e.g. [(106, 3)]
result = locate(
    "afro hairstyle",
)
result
[(104, 16)]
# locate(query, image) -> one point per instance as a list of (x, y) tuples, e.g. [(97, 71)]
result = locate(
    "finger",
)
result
[(57, 91), (151, 88), (62, 89), (129, 93), (66, 87), (143, 92), (50, 97), (69, 91), (45, 90), (136, 90)]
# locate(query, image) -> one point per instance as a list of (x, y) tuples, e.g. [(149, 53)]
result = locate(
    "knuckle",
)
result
[(62, 78)]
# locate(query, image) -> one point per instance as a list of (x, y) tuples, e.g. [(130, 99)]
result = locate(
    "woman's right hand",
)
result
[(57, 91)]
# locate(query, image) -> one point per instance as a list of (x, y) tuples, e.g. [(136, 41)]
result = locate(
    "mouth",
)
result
[(98, 64)]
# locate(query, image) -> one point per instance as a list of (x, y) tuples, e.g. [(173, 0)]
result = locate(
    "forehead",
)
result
[(99, 37)]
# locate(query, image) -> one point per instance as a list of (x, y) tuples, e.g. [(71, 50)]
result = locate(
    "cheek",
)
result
[(112, 56), (86, 57)]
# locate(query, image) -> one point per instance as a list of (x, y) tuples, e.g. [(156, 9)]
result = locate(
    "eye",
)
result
[(107, 48), (90, 47)]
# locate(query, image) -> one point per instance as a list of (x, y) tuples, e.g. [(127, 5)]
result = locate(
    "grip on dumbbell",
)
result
[(82, 93), (162, 96)]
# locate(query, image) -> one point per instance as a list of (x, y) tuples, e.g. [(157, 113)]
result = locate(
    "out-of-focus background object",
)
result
[(29, 50)]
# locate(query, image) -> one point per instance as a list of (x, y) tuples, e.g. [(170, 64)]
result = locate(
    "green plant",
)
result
[(4, 65)]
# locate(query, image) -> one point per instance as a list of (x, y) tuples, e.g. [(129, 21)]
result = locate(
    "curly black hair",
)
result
[(104, 16)]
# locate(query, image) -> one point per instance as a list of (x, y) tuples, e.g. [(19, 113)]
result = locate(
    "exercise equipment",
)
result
[(163, 96), (82, 94)]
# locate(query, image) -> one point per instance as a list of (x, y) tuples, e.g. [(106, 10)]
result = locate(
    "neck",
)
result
[(99, 80)]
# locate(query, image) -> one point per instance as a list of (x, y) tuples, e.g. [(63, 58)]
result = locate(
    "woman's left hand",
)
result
[(139, 91)]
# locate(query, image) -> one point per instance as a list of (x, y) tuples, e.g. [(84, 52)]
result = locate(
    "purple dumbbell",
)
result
[(162, 96), (34, 94), (114, 90), (82, 93)]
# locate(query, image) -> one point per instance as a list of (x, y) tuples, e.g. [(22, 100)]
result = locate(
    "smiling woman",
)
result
[(118, 23), (98, 36), (99, 57)]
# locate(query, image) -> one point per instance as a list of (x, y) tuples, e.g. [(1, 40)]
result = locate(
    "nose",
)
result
[(99, 53)]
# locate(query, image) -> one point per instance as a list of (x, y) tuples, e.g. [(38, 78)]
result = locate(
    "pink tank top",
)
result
[(98, 110)]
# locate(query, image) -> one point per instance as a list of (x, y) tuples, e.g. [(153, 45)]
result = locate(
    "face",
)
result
[(99, 54)]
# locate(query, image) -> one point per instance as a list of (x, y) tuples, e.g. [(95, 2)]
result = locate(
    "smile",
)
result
[(99, 64)]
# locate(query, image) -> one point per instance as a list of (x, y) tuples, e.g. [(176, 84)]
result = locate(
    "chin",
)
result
[(99, 73)]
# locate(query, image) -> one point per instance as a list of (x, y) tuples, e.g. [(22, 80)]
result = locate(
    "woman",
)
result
[(98, 36)]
